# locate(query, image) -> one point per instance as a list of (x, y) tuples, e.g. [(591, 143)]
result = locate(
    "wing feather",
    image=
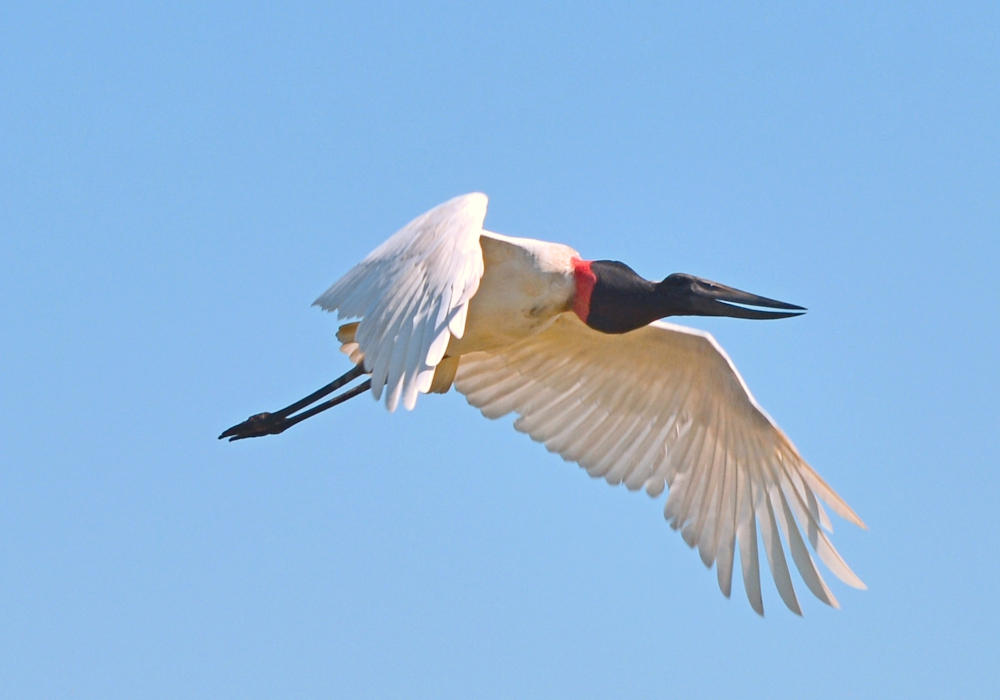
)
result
[(411, 295), (746, 533), (707, 528), (725, 548), (773, 549), (800, 555), (663, 407)]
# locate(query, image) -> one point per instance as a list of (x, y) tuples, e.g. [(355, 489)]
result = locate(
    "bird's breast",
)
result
[(525, 285)]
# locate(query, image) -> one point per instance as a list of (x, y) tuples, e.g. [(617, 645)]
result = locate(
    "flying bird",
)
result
[(577, 350)]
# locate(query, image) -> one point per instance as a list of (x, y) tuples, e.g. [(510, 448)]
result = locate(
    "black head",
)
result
[(622, 301)]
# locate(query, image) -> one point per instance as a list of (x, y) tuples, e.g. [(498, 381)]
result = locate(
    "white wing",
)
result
[(664, 406), (412, 294)]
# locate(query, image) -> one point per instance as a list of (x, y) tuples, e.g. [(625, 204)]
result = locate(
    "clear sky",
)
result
[(178, 184)]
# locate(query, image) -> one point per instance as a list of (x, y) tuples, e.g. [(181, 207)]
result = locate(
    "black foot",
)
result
[(257, 426)]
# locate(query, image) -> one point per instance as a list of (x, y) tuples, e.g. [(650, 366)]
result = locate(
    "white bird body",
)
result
[(511, 322), (525, 285)]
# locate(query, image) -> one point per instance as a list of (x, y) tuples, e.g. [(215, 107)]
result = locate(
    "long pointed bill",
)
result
[(701, 297), (280, 421)]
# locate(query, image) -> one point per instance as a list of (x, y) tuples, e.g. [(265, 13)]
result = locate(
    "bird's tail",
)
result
[(348, 346)]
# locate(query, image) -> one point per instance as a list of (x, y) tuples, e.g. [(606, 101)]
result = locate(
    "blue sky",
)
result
[(180, 183)]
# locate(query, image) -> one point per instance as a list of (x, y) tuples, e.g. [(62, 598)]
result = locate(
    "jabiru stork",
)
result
[(577, 350)]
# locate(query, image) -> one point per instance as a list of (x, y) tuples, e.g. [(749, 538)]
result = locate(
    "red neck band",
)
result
[(585, 281)]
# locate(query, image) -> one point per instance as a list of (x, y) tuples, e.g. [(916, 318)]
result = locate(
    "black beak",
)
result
[(693, 296)]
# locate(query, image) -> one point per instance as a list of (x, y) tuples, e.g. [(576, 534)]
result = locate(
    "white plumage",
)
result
[(663, 405), (658, 407), (413, 293)]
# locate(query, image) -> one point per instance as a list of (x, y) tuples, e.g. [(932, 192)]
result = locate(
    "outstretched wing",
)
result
[(664, 406), (412, 294)]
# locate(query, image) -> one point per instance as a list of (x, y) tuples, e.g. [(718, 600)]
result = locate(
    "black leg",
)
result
[(274, 423)]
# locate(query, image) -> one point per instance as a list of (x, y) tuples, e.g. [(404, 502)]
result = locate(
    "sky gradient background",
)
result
[(179, 184)]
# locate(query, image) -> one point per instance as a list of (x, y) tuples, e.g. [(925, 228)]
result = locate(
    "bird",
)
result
[(578, 350)]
